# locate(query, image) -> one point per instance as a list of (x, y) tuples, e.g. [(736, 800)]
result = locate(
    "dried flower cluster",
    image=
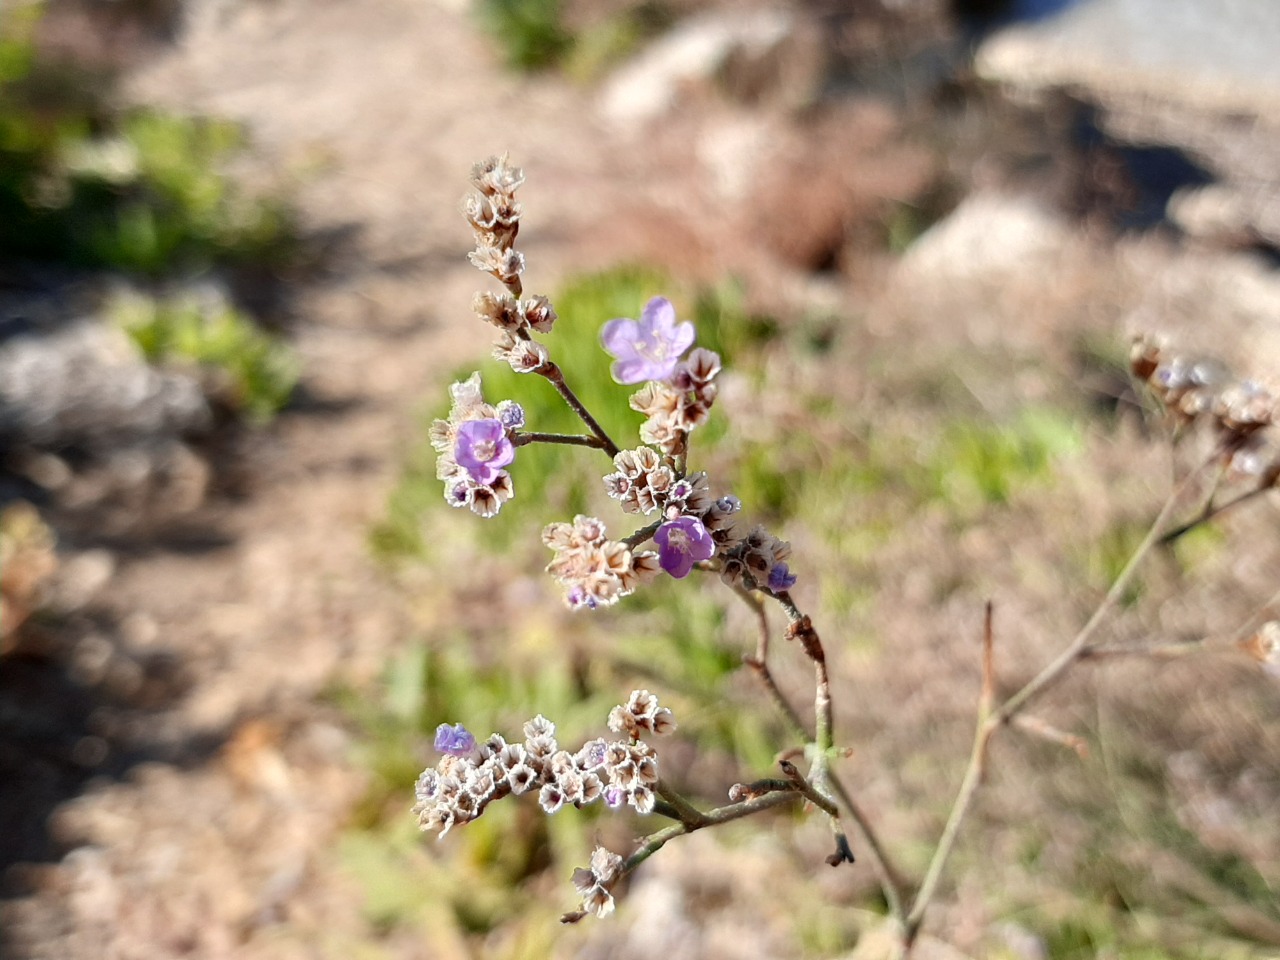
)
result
[(1201, 390), (675, 408), (470, 776), (478, 442), (758, 561), (475, 446), (1264, 646), (494, 215), (643, 481), (594, 570), (595, 882), (641, 714)]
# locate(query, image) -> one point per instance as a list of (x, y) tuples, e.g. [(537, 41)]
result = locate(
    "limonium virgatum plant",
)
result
[(697, 527)]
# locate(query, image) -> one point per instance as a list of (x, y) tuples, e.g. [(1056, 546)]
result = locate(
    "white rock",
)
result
[(649, 85), (1218, 54), (88, 381), (987, 235)]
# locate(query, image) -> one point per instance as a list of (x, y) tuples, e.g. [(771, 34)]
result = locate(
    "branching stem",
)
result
[(690, 819), (1209, 512), (990, 721), (889, 878), (641, 535), (552, 372), (577, 440)]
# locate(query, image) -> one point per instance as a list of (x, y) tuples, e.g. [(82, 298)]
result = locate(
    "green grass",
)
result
[(531, 33), (535, 35), (88, 183), (851, 477), (556, 482), (252, 373)]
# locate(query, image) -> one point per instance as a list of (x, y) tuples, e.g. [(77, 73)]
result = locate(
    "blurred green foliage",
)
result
[(1125, 902), (554, 483), (967, 462), (250, 371), (850, 474), (451, 681), (536, 35), (531, 33), (87, 183)]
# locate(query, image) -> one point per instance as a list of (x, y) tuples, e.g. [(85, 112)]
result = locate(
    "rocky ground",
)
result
[(198, 775)]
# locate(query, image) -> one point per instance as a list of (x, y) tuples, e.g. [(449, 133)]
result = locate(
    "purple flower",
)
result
[(781, 578), (682, 543), (511, 414), (578, 597), (482, 448), (455, 741), (650, 348)]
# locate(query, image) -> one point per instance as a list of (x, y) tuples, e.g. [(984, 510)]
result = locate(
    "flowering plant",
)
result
[(697, 526)]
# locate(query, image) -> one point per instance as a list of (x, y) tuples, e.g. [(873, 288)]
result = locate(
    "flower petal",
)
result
[(631, 370), (658, 316), (619, 336)]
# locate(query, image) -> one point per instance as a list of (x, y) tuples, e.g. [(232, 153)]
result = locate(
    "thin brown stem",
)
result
[(552, 372), (888, 876), (1210, 512), (760, 664), (641, 535), (1154, 651), (801, 783), (577, 440), (684, 811), (991, 720), (1052, 673), (1036, 727), (988, 695), (959, 810), (710, 818)]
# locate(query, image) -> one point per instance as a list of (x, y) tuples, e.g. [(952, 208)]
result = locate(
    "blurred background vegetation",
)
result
[(917, 470), (87, 182)]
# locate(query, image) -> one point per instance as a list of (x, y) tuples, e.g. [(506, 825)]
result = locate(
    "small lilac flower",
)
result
[(455, 741), (458, 493), (781, 578), (482, 448), (511, 414), (577, 596), (650, 348), (682, 543)]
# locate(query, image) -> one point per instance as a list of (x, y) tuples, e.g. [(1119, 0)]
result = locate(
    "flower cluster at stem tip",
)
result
[(691, 528), (475, 446), (622, 772), (477, 442)]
